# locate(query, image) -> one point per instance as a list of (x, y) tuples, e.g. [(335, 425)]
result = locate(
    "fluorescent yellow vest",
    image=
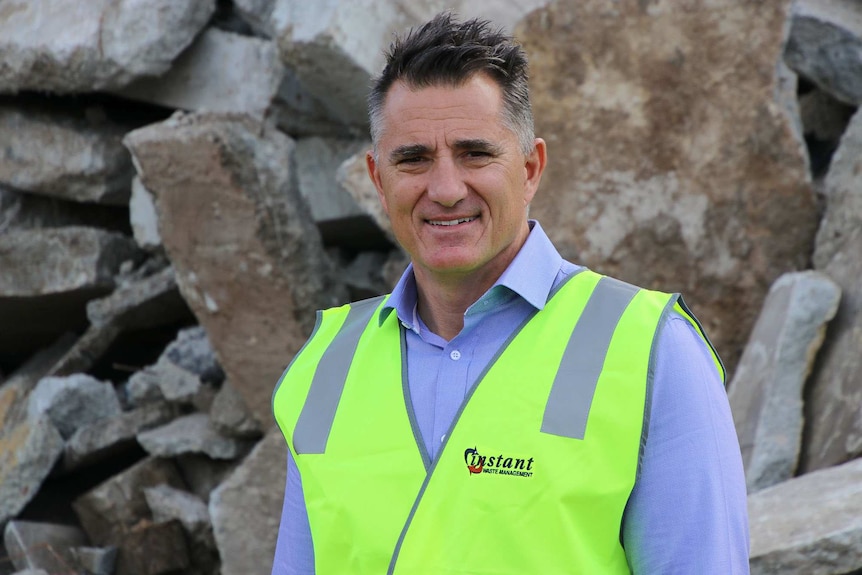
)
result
[(536, 470)]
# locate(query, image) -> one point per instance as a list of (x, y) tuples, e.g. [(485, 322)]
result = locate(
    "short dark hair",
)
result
[(445, 52)]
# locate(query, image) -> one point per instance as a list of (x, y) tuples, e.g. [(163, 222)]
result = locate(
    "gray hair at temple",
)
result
[(444, 52)]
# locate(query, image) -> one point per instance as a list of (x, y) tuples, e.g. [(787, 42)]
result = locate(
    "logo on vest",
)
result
[(497, 464)]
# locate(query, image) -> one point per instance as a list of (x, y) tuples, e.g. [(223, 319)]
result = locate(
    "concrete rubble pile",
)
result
[(182, 184)]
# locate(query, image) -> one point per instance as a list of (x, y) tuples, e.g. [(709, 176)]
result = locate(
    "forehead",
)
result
[(474, 106)]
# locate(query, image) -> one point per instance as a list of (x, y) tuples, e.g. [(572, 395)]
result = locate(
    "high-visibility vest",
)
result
[(533, 475)]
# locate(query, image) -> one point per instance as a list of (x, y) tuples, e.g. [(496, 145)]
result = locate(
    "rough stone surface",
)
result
[(68, 156), (73, 402), (28, 449), (202, 473), (143, 217), (25, 211), (96, 560), (810, 525), (111, 509), (230, 416), (149, 302), (191, 434), (168, 503), (834, 432), (153, 549), (352, 176), (766, 392), (220, 72), (45, 546), (317, 160), (193, 351), (109, 44), (672, 165), (825, 46), (240, 238), (109, 437), (246, 509)]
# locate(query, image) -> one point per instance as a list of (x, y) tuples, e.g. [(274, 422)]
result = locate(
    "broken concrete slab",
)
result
[(220, 72), (675, 165), (28, 449), (246, 510), (192, 433), (96, 560), (825, 46), (112, 508), (48, 277), (109, 45), (71, 156), (112, 436), (352, 176), (235, 196), (834, 432), (73, 401), (230, 416), (36, 545), (26, 211), (317, 160), (149, 302), (766, 391), (143, 218), (167, 504), (202, 473), (810, 525)]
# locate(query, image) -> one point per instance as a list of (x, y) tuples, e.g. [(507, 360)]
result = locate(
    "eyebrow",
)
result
[(412, 150)]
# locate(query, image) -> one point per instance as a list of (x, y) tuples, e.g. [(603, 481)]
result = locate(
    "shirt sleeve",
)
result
[(294, 550), (688, 510)]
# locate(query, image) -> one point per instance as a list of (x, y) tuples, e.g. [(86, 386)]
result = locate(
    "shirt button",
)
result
[(455, 354)]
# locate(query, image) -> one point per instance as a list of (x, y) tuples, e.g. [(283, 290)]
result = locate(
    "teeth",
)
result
[(450, 222)]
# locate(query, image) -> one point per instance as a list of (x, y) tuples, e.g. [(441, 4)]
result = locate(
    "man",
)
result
[(503, 411)]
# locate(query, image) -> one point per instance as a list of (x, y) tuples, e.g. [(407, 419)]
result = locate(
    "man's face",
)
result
[(453, 179)]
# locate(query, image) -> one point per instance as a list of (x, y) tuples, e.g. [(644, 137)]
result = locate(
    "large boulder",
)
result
[(59, 46), (673, 164), (248, 258)]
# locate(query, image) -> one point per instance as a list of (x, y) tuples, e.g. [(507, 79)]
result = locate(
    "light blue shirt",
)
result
[(687, 513)]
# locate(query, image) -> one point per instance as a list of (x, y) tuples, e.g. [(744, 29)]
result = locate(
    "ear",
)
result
[(374, 174), (534, 166)]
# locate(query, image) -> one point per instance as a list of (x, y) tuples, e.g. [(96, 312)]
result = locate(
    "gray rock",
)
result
[(193, 351), (352, 176), (825, 46), (45, 546), (109, 45), (203, 474), (246, 509), (220, 72), (317, 160), (113, 507), (152, 301), (110, 437), (230, 416), (72, 157), (168, 503), (231, 181), (87, 350), (73, 401), (766, 391), (143, 218), (697, 186), (96, 560), (25, 211), (810, 525), (834, 431), (191, 434), (48, 276), (164, 380)]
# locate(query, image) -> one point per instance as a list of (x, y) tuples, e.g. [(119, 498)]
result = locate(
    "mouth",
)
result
[(454, 222)]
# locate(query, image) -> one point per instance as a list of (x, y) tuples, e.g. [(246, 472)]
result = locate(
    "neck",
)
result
[(442, 302)]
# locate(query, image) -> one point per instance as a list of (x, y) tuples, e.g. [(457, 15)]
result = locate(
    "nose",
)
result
[(446, 184)]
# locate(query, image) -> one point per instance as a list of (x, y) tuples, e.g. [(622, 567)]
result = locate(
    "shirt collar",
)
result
[(530, 275)]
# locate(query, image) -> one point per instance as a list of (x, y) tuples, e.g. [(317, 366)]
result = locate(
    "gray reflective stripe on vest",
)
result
[(318, 413), (575, 383)]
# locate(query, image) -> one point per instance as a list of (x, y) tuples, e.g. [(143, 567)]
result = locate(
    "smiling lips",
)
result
[(451, 222)]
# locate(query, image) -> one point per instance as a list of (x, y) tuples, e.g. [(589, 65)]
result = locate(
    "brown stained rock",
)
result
[(248, 258), (153, 549), (671, 165), (834, 425), (113, 508)]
